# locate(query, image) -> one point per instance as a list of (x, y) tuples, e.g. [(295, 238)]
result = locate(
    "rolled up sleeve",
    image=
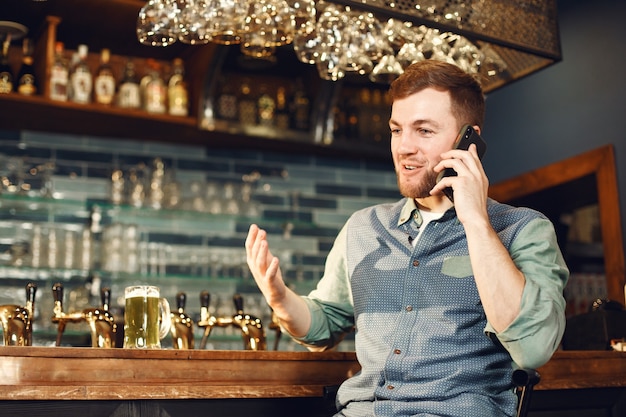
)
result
[(330, 303), (536, 332)]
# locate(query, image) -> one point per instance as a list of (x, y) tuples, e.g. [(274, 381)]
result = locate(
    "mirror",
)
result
[(581, 197)]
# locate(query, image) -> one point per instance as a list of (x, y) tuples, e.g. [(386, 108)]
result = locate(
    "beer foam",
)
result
[(142, 291)]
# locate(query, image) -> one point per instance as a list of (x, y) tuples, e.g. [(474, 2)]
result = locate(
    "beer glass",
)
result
[(146, 317)]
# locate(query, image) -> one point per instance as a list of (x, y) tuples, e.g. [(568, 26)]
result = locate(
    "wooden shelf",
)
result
[(111, 24)]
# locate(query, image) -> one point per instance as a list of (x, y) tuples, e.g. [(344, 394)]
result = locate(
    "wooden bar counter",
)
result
[(37, 373), (121, 382)]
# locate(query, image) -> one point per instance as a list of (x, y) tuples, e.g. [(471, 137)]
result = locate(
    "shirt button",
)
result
[(409, 308), (390, 387), (416, 262), (397, 351)]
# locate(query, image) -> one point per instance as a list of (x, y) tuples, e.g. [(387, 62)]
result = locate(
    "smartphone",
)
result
[(466, 137)]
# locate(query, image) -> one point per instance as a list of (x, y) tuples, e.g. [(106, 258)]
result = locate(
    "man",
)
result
[(446, 298)]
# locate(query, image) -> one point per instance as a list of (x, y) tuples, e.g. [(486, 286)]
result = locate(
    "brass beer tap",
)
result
[(182, 325), (251, 327), (17, 321), (101, 322)]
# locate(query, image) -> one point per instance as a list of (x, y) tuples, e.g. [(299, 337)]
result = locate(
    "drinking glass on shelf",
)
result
[(254, 45), (303, 15), (192, 22), (306, 46), (225, 20), (269, 20), (387, 69), (157, 23), (212, 197), (230, 203), (331, 28)]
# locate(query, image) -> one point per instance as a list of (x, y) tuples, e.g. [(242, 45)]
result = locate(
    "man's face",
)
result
[(422, 128)]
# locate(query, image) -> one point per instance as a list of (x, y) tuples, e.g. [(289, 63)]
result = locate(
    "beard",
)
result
[(420, 189)]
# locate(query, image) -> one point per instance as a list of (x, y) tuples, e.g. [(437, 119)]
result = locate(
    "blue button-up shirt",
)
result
[(422, 337)]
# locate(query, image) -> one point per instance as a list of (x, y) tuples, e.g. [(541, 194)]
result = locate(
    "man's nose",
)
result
[(407, 144)]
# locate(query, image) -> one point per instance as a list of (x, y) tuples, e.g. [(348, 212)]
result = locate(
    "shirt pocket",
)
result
[(457, 267)]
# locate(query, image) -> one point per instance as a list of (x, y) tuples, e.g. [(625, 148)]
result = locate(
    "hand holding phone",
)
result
[(466, 137)]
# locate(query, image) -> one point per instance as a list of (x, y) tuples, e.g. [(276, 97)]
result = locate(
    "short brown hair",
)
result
[(466, 94)]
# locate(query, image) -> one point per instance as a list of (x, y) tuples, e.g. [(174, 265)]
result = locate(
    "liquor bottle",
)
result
[(154, 89), (266, 106), (177, 92), (129, 95), (365, 120), (26, 82), (104, 82), (59, 75), (380, 129), (247, 105), (281, 115), (352, 118), (301, 107), (227, 102), (81, 80), (6, 73)]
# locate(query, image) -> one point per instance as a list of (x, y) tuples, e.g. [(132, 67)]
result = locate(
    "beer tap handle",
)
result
[(31, 290), (105, 295), (57, 293), (205, 299), (181, 300), (238, 300)]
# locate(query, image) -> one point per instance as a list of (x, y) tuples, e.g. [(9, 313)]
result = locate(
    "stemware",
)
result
[(268, 23), (225, 20), (466, 55), (387, 69), (331, 30), (157, 23), (192, 22)]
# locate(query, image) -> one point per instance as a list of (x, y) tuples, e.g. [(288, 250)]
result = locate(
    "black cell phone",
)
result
[(466, 137)]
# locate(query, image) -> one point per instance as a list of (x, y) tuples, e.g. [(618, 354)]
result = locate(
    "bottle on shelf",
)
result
[(177, 92), (81, 80), (247, 105), (6, 72), (366, 113), (266, 106), (59, 74), (281, 114), (72, 64), (104, 81), (227, 102), (154, 89), (26, 82), (301, 107), (129, 95)]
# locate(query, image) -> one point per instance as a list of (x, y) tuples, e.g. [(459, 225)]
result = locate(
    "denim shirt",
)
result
[(422, 338)]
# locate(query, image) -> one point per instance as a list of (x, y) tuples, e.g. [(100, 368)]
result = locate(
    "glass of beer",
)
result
[(146, 317)]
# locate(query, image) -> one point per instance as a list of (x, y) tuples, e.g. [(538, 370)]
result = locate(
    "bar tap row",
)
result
[(17, 322)]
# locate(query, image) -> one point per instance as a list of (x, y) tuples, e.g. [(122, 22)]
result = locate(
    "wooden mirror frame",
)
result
[(601, 163)]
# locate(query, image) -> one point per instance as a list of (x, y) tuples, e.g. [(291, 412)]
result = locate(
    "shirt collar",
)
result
[(410, 211)]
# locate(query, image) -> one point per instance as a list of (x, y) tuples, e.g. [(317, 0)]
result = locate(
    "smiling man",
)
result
[(446, 298)]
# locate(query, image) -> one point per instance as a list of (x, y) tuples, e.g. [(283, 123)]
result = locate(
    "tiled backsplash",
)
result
[(302, 200)]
